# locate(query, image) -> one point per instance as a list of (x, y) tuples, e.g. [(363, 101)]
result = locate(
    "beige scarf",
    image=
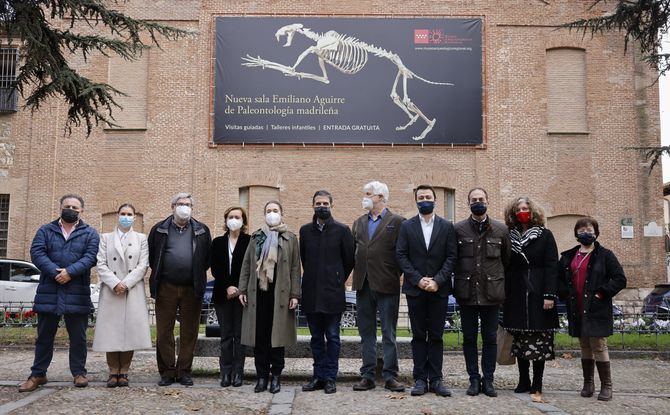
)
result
[(265, 265)]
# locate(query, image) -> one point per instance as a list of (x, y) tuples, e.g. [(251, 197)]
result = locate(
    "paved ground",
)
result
[(641, 387)]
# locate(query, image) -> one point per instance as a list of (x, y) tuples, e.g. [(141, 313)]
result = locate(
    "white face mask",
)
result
[(273, 218), (183, 212), (234, 224), (367, 203)]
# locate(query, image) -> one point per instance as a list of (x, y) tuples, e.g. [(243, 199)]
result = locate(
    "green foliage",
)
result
[(46, 34)]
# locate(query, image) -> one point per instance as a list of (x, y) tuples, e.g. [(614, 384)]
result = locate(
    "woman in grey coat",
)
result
[(269, 291)]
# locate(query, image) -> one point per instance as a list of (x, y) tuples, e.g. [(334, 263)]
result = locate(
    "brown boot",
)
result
[(605, 375), (80, 381), (32, 383), (588, 365)]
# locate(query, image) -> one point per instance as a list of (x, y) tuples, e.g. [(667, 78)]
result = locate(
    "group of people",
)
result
[(489, 267)]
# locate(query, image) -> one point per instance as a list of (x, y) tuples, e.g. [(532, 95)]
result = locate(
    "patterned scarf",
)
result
[(267, 244), (519, 241)]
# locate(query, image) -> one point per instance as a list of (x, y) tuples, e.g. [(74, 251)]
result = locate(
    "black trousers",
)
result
[(229, 314), (267, 359), (488, 315), (427, 313)]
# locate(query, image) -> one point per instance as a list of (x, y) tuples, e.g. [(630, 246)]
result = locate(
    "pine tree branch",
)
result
[(652, 154)]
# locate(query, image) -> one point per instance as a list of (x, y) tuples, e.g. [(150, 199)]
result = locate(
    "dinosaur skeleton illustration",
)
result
[(348, 55)]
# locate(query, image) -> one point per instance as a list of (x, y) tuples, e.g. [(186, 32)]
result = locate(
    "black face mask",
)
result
[(478, 208), (322, 212), (425, 207), (69, 215), (586, 238)]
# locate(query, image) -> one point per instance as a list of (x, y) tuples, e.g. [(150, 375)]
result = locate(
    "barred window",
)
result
[(4, 223), (8, 96)]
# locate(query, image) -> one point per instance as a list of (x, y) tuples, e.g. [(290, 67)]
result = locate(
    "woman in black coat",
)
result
[(591, 276), (530, 292), (227, 257)]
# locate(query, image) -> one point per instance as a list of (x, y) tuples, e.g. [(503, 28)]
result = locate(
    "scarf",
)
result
[(267, 247), (520, 240)]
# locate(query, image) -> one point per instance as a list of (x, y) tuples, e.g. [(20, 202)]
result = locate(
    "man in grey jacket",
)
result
[(479, 287)]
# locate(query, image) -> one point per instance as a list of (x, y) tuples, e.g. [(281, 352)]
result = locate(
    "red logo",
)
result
[(421, 36)]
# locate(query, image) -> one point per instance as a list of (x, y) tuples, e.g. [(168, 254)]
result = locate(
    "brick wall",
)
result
[(567, 174)]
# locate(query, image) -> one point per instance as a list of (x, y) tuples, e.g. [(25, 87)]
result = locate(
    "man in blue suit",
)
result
[(426, 252), (64, 251)]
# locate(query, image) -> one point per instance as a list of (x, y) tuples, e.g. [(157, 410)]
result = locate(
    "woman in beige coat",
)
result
[(122, 323), (269, 291)]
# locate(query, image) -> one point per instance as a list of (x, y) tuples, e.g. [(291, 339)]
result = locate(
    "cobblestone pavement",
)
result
[(642, 386)]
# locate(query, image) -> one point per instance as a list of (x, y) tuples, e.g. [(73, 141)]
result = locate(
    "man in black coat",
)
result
[(327, 254), (426, 252)]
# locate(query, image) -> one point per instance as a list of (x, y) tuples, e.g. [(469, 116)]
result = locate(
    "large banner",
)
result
[(348, 80)]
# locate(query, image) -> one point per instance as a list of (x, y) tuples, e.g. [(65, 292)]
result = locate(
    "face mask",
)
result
[(183, 212), (322, 212), (523, 217), (126, 221), (367, 203), (234, 224), (273, 218), (586, 238), (478, 208), (69, 215), (425, 207)]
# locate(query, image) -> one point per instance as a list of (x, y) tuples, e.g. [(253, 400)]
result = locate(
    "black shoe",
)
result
[(420, 388), (523, 386), (488, 389), (186, 380), (313, 385), (365, 384), (330, 387), (474, 388), (225, 380), (261, 385), (237, 380), (166, 381), (394, 386), (439, 389), (275, 384)]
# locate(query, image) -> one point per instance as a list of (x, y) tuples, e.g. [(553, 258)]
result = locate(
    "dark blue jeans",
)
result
[(489, 318), (325, 343), (47, 324), (368, 302)]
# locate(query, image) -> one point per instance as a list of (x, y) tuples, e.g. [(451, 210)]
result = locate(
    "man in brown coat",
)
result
[(479, 287), (377, 285)]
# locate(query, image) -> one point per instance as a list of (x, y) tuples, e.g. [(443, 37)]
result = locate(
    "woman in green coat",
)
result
[(269, 292)]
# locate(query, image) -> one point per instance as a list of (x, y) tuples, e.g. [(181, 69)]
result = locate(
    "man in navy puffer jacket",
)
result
[(64, 251)]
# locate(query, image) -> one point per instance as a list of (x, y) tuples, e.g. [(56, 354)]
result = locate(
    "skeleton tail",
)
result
[(430, 82)]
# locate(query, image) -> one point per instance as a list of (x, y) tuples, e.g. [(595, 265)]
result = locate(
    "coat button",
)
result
[(129, 244), (114, 259), (130, 257)]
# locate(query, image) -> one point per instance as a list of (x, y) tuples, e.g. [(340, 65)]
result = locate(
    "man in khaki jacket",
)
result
[(377, 285), (479, 287)]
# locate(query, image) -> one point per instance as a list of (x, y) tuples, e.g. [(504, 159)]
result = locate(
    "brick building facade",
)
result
[(559, 110)]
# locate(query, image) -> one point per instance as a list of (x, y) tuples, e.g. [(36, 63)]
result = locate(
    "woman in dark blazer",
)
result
[(591, 276), (227, 257), (531, 281)]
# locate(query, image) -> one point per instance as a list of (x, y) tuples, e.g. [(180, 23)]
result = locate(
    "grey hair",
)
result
[(378, 188), (182, 195)]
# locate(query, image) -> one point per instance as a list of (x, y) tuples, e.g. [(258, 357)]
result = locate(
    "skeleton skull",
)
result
[(288, 31)]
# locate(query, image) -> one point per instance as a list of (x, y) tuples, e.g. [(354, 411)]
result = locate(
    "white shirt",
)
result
[(231, 248), (427, 228)]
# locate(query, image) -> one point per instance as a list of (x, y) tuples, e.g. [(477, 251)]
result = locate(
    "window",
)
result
[(131, 78), (253, 199), (24, 273), (8, 96), (4, 223), (566, 91)]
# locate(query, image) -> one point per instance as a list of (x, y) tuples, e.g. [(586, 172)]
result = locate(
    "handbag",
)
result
[(504, 353)]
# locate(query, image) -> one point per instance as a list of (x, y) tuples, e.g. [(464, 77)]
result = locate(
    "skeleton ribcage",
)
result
[(348, 58)]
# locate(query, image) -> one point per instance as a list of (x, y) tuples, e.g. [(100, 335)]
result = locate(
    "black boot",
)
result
[(275, 385), (524, 376), (538, 372), (261, 384), (605, 375), (225, 380), (587, 368), (237, 380)]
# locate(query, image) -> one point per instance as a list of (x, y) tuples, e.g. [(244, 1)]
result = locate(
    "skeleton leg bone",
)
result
[(413, 108), (396, 100)]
